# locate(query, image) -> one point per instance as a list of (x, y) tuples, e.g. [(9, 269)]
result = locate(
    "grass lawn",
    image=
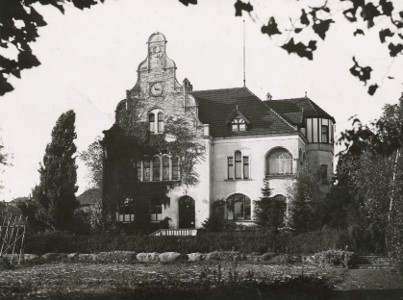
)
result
[(167, 281)]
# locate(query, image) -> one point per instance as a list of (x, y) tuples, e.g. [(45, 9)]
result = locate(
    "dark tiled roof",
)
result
[(215, 107), (90, 197), (294, 110)]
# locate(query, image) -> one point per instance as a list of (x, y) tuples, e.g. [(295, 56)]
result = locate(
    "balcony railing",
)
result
[(175, 232)]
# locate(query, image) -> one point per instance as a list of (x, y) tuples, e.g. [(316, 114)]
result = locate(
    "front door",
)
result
[(186, 212)]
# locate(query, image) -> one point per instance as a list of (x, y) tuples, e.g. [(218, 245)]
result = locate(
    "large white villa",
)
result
[(246, 139)]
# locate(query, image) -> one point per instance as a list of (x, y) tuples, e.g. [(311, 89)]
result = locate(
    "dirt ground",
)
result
[(66, 278)]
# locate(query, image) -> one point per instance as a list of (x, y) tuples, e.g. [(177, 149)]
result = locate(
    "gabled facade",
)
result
[(245, 140)]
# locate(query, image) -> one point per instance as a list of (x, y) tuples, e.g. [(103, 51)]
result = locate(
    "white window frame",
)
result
[(239, 124), (231, 175), (155, 113), (151, 161)]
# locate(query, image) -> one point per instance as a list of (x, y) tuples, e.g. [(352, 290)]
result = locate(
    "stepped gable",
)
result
[(216, 106), (296, 109)]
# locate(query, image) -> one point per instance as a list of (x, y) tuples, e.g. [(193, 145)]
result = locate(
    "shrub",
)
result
[(248, 241), (6, 263), (216, 222), (334, 258), (81, 222)]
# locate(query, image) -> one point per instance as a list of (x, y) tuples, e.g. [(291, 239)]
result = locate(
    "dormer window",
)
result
[(237, 121), (156, 121), (238, 124)]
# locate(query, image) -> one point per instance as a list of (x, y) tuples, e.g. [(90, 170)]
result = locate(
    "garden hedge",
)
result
[(245, 242)]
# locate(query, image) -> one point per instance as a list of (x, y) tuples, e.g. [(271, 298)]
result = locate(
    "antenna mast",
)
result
[(244, 52)]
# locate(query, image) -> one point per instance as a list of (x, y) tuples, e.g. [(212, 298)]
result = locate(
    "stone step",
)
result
[(371, 266)]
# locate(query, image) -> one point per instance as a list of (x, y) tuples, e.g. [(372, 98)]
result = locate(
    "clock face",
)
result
[(156, 89)]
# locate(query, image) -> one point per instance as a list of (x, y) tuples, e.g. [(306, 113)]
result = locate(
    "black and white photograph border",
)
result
[(216, 149)]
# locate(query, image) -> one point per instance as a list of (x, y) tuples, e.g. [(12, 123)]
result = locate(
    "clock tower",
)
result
[(156, 74)]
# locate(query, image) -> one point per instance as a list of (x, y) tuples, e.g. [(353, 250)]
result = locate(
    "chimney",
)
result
[(269, 96), (187, 86)]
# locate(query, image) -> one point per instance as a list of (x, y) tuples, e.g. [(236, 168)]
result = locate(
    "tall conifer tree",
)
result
[(58, 174), (269, 211)]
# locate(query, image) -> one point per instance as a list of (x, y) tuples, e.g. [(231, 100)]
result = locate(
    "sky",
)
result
[(89, 59)]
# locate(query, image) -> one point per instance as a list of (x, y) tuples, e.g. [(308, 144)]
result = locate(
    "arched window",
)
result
[(278, 162), (238, 207), (151, 122), (156, 169), (146, 170), (160, 122), (165, 168), (175, 168), (156, 121)]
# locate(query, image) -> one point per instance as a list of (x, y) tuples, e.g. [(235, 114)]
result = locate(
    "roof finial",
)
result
[(269, 96), (236, 107), (306, 94)]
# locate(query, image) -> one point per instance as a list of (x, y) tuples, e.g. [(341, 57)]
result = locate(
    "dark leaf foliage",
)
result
[(241, 6), (372, 89), (300, 49), (358, 31), (271, 27), (187, 2), (55, 194), (387, 7), (320, 27), (363, 73), (395, 49), (369, 12), (21, 37), (304, 18), (384, 33)]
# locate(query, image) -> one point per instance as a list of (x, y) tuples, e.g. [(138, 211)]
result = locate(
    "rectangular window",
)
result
[(242, 127), (230, 213), (175, 168), (160, 122), (146, 170), (325, 134), (156, 213), (230, 167), (238, 165), (126, 211), (239, 210), (151, 122), (323, 173), (245, 167), (138, 170), (156, 169), (165, 168)]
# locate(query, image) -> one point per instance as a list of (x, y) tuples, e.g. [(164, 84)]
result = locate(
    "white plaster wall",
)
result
[(256, 148)]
